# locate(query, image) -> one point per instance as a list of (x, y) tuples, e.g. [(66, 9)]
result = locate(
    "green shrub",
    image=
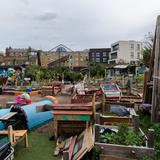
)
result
[(123, 137), (139, 78), (96, 153)]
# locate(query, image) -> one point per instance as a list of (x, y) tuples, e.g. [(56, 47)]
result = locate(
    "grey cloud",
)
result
[(26, 2), (47, 16)]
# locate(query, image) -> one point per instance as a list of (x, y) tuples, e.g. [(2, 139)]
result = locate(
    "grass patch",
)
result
[(39, 148)]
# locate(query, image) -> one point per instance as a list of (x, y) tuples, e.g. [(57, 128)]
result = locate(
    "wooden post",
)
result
[(93, 105), (156, 74), (145, 87), (150, 135), (103, 103), (26, 140), (98, 118), (10, 134), (97, 134), (108, 107), (136, 122), (55, 128)]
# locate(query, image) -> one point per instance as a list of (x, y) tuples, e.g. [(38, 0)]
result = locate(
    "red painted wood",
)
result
[(72, 112), (72, 105), (71, 147)]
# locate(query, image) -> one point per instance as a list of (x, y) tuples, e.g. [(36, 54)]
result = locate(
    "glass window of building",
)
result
[(104, 59), (132, 54), (104, 54), (97, 59), (132, 46), (138, 55), (138, 46), (97, 54)]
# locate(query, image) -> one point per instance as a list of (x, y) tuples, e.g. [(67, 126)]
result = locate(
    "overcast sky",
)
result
[(79, 24)]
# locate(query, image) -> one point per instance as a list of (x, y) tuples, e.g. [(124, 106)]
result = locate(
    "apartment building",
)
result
[(99, 55), (125, 51), (14, 56)]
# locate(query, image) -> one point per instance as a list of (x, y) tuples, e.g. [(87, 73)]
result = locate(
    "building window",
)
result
[(132, 54), (97, 54), (104, 60), (138, 55), (92, 59), (92, 54), (115, 47), (138, 46), (132, 46), (114, 55), (97, 59), (104, 54)]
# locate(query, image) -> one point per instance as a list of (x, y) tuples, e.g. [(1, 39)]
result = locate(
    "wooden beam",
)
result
[(155, 117)]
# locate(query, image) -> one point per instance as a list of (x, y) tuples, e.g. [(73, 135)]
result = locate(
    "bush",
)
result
[(139, 78), (123, 137)]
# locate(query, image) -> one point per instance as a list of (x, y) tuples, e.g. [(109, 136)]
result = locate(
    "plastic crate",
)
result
[(11, 155)]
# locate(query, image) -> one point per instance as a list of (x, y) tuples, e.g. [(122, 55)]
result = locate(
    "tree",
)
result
[(148, 45), (35, 72)]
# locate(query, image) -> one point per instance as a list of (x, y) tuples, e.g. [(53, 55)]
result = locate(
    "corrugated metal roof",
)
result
[(121, 66)]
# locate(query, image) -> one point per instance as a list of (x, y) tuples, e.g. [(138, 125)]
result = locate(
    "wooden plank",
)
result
[(71, 147), (7, 116), (73, 117), (126, 151), (73, 108), (57, 112), (15, 132), (106, 157), (86, 146), (72, 105)]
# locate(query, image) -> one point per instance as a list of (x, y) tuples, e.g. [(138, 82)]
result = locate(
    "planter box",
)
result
[(123, 152), (84, 98), (115, 120)]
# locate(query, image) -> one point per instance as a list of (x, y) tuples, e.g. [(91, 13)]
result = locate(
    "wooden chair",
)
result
[(16, 136)]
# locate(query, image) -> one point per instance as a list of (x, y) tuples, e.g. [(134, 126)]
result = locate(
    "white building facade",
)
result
[(125, 51)]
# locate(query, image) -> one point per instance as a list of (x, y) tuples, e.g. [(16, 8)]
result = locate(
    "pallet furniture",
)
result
[(15, 136), (71, 121), (51, 88), (47, 90)]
